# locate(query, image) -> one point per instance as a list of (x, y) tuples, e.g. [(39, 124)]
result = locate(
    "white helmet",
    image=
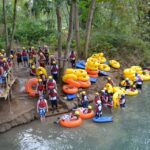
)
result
[(99, 102)]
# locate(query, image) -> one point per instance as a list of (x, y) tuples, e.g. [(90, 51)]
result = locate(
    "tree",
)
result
[(88, 26), (14, 23), (5, 24)]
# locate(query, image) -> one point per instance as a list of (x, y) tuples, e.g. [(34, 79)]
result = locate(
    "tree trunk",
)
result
[(77, 29), (5, 24), (14, 23), (70, 34), (59, 46), (88, 26)]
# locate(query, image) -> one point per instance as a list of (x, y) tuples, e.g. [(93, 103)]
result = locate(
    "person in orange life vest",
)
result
[(33, 71), (44, 79), (25, 56), (110, 81), (53, 99), (87, 110), (99, 109), (54, 71), (42, 59), (72, 58), (51, 83), (42, 108), (40, 88)]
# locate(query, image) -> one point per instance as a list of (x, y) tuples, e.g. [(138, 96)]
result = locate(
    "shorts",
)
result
[(25, 58), (122, 105), (42, 112), (54, 103), (19, 60), (139, 86)]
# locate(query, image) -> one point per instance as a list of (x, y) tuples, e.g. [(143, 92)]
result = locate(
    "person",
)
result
[(110, 100), (46, 54), (72, 59), (19, 57), (40, 88), (5, 65), (74, 115), (54, 71), (42, 108), (110, 81), (12, 52), (42, 60), (87, 110), (85, 100), (139, 82), (24, 57), (44, 79), (53, 99), (33, 71), (97, 98), (1, 76), (99, 109), (3, 52), (51, 83), (10, 60), (122, 101), (52, 60), (31, 59), (127, 83), (133, 88), (104, 97)]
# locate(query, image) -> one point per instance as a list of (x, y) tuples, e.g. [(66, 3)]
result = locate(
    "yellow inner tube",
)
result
[(39, 69), (114, 64), (131, 93)]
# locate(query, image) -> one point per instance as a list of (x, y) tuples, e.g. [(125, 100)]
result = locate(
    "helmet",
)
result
[(77, 112), (50, 77), (109, 78), (54, 62), (83, 92), (23, 47), (3, 50), (45, 46), (11, 56), (4, 59), (99, 102), (33, 67), (96, 93), (89, 107), (32, 47), (40, 72), (102, 91), (40, 80), (127, 79)]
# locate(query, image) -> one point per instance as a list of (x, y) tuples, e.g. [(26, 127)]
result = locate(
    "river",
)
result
[(129, 131)]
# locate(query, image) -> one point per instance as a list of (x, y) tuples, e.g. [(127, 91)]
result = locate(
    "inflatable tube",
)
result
[(93, 76), (102, 60), (86, 84), (86, 116), (73, 83), (68, 89), (102, 119), (71, 124), (29, 87), (41, 69), (145, 77), (69, 71), (104, 67), (80, 72), (83, 78), (91, 72), (115, 64), (69, 76), (116, 100), (132, 93)]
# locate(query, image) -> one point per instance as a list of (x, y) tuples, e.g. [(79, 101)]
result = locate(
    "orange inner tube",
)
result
[(69, 89), (93, 76), (73, 83), (88, 115), (85, 84), (71, 124), (29, 87), (92, 72)]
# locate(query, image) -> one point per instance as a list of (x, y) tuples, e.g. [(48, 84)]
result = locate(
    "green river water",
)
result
[(129, 131)]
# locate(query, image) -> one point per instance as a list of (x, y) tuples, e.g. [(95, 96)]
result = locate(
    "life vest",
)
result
[(72, 56), (19, 55), (42, 104), (54, 69), (42, 57), (103, 98), (5, 66), (53, 95), (51, 84), (97, 98), (139, 80), (24, 53), (1, 71), (110, 82), (33, 71), (40, 87)]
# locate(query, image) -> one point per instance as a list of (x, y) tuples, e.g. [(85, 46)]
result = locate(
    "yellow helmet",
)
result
[(40, 80), (50, 77), (3, 50), (96, 93), (89, 107), (40, 72), (109, 78), (33, 67), (23, 47), (11, 56), (83, 92), (4, 59), (32, 47), (77, 112)]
